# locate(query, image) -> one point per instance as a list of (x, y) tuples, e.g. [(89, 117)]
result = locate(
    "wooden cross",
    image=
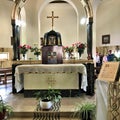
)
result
[(52, 17)]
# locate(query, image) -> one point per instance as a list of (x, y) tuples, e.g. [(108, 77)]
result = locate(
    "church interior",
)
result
[(55, 44)]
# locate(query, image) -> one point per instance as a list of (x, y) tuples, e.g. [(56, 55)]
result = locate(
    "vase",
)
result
[(37, 57), (79, 55), (66, 55), (24, 57)]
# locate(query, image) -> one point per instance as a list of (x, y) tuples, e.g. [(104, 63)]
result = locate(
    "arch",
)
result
[(18, 4), (89, 13), (74, 35), (86, 5), (88, 8)]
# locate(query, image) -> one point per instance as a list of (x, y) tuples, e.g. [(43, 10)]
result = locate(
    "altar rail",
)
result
[(88, 63)]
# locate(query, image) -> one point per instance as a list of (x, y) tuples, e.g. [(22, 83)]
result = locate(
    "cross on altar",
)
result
[(52, 17), (51, 81)]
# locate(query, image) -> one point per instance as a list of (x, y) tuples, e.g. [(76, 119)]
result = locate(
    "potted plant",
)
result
[(5, 109), (85, 111), (36, 51), (48, 97)]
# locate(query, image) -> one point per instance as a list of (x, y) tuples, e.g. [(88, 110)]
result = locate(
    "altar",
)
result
[(58, 76)]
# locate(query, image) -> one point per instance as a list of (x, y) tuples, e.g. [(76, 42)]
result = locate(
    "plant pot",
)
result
[(45, 104), (2, 115), (86, 116)]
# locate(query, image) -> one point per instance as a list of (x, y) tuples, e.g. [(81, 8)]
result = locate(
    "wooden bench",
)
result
[(5, 72)]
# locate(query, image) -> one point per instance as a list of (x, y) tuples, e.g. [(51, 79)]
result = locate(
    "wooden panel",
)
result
[(49, 49)]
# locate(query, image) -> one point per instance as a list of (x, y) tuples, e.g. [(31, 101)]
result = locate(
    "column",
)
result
[(89, 38), (15, 40)]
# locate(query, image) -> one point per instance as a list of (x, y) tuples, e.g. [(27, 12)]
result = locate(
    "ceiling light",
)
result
[(83, 21)]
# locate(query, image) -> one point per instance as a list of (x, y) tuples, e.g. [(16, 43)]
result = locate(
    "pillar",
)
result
[(89, 38), (16, 40)]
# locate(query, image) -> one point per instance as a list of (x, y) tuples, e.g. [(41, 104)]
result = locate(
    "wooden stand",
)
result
[(52, 55)]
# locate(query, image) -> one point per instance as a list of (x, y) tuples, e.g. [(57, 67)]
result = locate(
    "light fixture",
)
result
[(20, 23), (83, 21)]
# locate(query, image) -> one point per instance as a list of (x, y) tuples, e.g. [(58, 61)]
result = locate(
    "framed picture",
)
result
[(105, 39)]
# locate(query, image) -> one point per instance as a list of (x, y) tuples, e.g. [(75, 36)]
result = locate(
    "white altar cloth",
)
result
[(49, 68)]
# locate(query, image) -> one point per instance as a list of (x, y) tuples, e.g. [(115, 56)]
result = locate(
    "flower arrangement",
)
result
[(36, 51), (68, 49), (80, 47), (24, 48)]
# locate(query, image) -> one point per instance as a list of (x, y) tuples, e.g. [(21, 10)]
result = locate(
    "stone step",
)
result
[(30, 118), (32, 114), (42, 116)]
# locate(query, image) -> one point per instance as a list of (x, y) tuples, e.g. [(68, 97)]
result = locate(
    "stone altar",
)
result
[(41, 77), (88, 63)]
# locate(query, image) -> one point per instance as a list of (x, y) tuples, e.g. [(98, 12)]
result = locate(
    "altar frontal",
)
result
[(57, 76)]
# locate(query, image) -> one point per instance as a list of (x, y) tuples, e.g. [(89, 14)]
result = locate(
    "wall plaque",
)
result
[(105, 39)]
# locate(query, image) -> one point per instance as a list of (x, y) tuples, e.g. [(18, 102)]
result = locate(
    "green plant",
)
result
[(36, 50), (68, 49), (49, 95), (4, 109), (85, 111)]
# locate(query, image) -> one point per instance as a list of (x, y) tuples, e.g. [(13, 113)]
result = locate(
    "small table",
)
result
[(50, 114)]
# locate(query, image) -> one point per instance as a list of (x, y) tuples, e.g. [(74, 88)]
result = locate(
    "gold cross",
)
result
[(52, 17), (51, 81)]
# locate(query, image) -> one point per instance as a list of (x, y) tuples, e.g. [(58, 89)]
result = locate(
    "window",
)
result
[(4, 56)]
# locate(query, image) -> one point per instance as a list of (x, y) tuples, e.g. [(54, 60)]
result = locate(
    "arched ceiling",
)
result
[(18, 4)]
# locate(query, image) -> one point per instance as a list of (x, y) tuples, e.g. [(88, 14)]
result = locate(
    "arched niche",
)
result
[(39, 5), (68, 23)]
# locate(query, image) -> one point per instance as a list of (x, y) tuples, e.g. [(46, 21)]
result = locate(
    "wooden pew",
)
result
[(5, 72)]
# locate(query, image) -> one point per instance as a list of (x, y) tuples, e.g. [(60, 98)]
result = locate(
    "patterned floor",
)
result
[(24, 107)]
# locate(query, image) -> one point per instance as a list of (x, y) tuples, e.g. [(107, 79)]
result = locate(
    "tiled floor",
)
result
[(24, 107)]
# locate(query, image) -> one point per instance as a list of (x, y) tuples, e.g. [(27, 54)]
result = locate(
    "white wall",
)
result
[(66, 24), (5, 23), (108, 22)]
